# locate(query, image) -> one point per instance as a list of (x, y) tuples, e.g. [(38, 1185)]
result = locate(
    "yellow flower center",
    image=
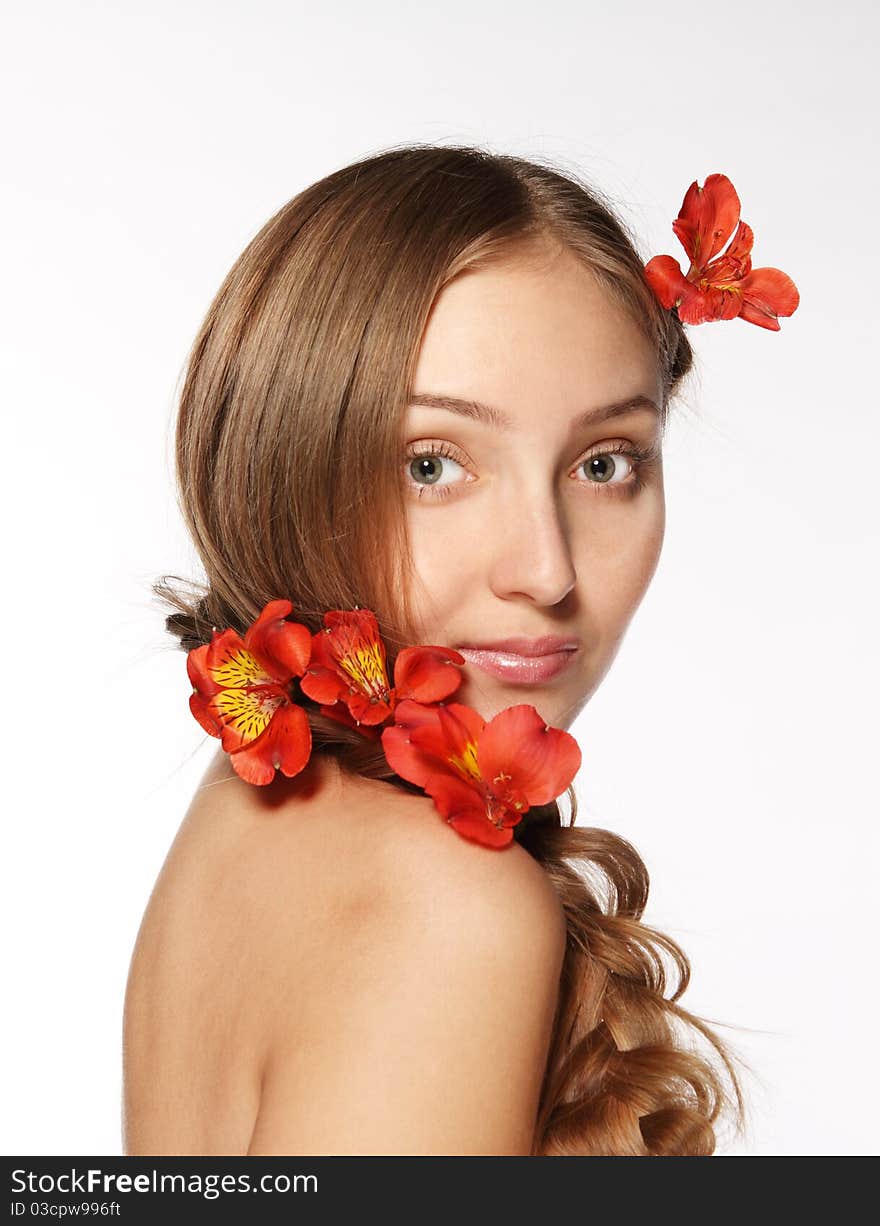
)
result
[(239, 668), (365, 667), (248, 711), (466, 765)]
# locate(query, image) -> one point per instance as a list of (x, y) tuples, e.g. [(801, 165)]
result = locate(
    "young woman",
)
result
[(435, 386)]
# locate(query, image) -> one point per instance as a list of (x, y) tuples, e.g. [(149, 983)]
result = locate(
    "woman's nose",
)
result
[(530, 551)]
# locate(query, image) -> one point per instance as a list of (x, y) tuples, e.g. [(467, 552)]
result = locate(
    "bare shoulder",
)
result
[(326, 966), (426, 864), (426, 1025), (216, 940), (192, 1024)]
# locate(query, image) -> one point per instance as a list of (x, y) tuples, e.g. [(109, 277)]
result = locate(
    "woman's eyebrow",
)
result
[(491, 416)]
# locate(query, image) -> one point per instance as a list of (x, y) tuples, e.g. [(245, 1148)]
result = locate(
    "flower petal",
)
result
[(198, 671), (478, 830), (231, 665), (453, 797), (200, 710), (244, 714), (404, 758), (707, 218), (667, 280), (419, 744), (729, 269), (427, 674), (767, 293), (741, 244), (286, 745), (460, 728), (452, 738), (518, 748), (465, 810), (705, 305), (413, 762), (424, 720), (367, 709), (754, 315), (284, 646), (322, 683)]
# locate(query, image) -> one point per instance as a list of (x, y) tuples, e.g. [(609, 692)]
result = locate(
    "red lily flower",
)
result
[(348, 667), (727, 286), (241, 694), (482, 776)]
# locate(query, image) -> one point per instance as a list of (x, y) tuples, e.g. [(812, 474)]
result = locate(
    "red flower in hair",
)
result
[(241, 694), (482, 776), (719, 286), (349, 675)]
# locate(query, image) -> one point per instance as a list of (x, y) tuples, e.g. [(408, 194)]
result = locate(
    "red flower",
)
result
[(348, 667), (241, 694), (727, 286), (482, 776)]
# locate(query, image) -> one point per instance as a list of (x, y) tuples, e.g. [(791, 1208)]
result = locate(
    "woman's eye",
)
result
[(607, 467), (428, 469)]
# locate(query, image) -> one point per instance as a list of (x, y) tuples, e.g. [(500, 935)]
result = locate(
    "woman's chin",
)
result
[(555, 705)]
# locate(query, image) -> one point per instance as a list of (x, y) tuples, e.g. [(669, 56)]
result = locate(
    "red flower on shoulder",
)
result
[(482, 776), (348, 672), (241, 694), (719, 286)]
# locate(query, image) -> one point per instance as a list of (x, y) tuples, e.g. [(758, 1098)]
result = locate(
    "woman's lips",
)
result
[(520, 670)]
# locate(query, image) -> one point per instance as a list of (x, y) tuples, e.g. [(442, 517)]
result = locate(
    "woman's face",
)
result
[(543, 521)]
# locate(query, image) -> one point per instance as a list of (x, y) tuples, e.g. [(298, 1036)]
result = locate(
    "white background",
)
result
[(735, 739)]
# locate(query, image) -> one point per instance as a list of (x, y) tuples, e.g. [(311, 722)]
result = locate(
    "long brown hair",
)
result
[(295, 386)]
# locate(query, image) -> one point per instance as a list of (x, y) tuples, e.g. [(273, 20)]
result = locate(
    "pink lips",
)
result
[(522, 661)]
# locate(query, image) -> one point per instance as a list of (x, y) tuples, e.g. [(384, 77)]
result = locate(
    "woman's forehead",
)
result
[(526, 333)]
